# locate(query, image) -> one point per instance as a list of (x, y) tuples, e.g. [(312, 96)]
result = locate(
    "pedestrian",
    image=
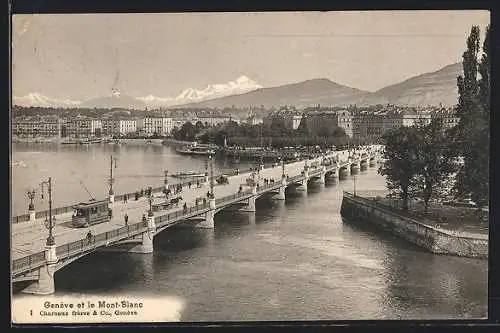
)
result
[(89, 237), (143, 217), (185, 207), (189, 184), (197, 184), (126, 219)]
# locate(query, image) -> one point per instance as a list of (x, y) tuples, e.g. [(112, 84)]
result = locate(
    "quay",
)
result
[(411, 229), (35, 262)]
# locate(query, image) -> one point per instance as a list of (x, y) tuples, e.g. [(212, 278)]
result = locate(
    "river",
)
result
[(291, 260)]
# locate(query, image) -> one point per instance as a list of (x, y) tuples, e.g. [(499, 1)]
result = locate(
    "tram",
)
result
[(90, 213)]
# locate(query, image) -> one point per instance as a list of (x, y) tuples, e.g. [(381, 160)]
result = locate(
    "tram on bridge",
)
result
[(90, 213)]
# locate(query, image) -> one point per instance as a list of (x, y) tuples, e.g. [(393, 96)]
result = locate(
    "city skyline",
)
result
[(146, 54)]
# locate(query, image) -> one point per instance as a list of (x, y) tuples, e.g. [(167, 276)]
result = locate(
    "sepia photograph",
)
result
[(249, 166)]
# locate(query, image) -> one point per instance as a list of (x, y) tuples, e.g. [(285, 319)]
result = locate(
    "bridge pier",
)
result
[(250, 207), (303, 183), (353, 166), (147, 238), (208, 223), (45, 284), (281, 193), (322, 175)]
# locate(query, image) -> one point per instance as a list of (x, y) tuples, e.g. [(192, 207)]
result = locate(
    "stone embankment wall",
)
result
[(439, 241)]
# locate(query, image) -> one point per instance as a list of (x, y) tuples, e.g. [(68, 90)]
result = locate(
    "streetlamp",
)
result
[(261, 148), (111, 179), (150, 200), (354, 183), (211, 175), (282, 167), (48, 224), (31, 196)]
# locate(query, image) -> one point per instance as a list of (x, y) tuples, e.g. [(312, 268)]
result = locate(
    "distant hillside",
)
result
[(425, 89), (302, 94), (439, 87), (435, 88), (115, 101)]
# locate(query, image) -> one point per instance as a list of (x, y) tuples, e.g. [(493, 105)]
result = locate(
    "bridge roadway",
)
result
[(30, 237)]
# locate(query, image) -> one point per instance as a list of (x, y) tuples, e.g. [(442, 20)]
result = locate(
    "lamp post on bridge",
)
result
[(150, 200), (111, 180), (165, 181), (354, 183), (48, 223), (211, 175), (31, 196), (282, 168)]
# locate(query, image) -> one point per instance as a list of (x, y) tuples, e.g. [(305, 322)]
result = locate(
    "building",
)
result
[(119, 126), (157, 125), (48, 126), (292, 120), (212, 118), (366, 123), (449, 117), (287, 117), (318, 121), (253, 120), (83, 127)]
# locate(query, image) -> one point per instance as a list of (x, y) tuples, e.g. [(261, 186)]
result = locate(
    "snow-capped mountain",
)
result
[(36, 99), (240, 86)]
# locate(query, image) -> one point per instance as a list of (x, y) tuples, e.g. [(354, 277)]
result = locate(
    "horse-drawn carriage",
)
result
[(251, 182), (174, 202), (222, 180)]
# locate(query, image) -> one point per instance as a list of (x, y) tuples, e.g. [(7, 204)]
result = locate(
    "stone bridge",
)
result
[(39, 268)]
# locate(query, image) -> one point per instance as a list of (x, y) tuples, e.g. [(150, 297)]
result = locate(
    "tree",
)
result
[(435, 162), (401, 164), (303, 129), (471, 135), (199, 126)]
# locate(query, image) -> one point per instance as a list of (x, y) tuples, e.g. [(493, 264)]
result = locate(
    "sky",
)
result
[(81, 56)]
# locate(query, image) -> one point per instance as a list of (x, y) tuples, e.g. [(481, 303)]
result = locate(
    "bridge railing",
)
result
[(231, 197), (84, 245), (21, 218), (29, 262), (178, 214)]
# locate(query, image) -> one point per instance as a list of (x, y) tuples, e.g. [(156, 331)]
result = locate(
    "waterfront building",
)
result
[(157, 125), (119, 126), (83, 127), (37, 126)]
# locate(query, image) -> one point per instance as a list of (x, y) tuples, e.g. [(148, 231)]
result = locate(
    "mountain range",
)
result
[(435, 88)]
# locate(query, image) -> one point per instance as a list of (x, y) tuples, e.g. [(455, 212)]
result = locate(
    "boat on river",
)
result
[(189, 174), (195, 150)]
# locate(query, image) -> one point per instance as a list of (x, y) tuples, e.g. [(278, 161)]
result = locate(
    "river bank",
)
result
[(432, 238)]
